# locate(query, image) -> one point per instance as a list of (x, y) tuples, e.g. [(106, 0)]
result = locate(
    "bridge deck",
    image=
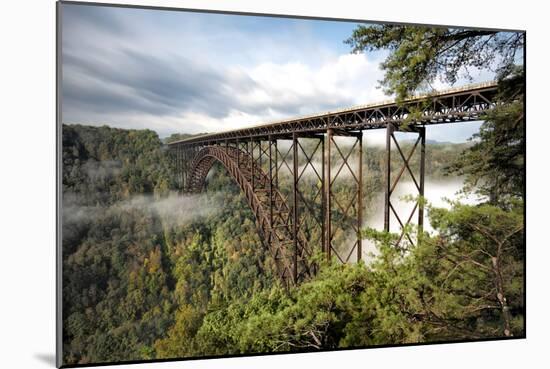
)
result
[(454, 105)]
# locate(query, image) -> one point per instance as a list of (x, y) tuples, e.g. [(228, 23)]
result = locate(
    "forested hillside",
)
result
[(151, 273), (137, 256)]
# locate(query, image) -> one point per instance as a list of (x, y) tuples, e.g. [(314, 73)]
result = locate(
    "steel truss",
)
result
[(455, 105), (296, 174), (343, 217), (391, 184)]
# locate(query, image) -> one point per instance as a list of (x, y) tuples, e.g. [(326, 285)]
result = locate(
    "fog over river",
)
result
[(436, 192)]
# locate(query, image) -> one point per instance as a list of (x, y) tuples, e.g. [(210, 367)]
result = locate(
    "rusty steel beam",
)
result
[(422, 132), (251, 153), (389, 132), (360, 201), (271, 173), (323, 196), (295, 205), (328, 197)]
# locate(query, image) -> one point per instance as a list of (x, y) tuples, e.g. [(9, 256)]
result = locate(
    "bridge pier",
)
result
[(349, 214), (391, 184), (295, 205), (327, 197), (295, 174), (272, 173)]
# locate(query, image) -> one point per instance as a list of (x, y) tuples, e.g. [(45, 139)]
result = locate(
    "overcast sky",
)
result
[(182, 72)]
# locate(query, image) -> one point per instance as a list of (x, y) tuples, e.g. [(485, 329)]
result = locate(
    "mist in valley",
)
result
[(438, 193)]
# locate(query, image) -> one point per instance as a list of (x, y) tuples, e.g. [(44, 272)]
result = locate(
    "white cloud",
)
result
[(346, 79), (286, 90)]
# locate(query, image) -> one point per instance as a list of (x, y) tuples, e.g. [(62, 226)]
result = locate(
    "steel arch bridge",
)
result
[(293, 172)]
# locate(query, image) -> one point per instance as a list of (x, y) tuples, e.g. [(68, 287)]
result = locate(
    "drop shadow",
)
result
[(46, 358)]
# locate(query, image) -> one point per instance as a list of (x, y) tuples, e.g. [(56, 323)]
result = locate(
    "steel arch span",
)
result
[(273, 215)]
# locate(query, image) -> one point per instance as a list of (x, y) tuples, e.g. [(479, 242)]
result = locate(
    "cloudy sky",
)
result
[(181, 72)]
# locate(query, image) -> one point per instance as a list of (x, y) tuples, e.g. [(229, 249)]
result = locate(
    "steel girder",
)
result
[(455, 105)]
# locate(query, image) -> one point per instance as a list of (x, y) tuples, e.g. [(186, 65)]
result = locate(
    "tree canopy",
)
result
[(420, 54)]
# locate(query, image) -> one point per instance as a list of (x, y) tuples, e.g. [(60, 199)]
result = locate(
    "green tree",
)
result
[(495, 165), (480, 251), (419, 54), (179, 339), (464, 282)]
